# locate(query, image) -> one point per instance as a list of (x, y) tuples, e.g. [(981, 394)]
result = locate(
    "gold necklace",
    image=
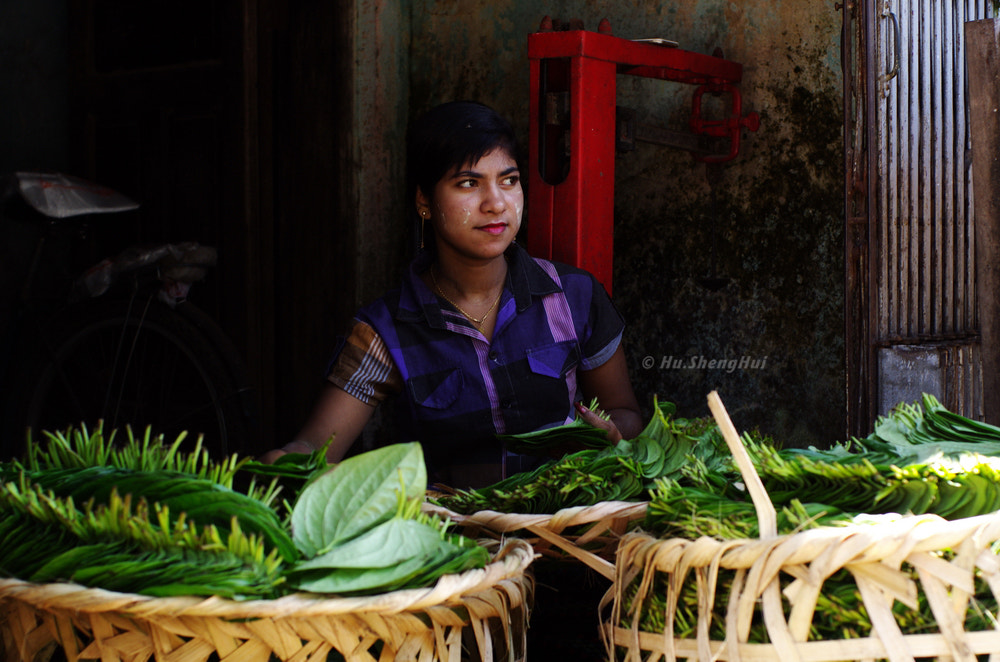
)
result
[(477, 322)]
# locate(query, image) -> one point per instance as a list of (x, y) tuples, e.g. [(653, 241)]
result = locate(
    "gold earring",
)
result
[(423, 217)]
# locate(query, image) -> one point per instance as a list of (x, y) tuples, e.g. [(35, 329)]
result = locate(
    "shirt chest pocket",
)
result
[(553, 360), (437, 390)]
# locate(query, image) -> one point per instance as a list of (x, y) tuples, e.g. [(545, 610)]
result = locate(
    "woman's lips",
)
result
[(494, 228)]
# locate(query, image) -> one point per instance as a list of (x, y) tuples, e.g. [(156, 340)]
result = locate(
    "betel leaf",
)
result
[(424, 562), (891, 431), (659, 422), (386, 544), (360, 581), (355, 495)]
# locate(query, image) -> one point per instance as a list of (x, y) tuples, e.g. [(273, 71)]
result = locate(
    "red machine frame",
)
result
[(572, 132)]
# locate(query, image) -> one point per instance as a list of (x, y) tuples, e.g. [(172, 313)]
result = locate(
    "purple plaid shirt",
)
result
[(461, 390)]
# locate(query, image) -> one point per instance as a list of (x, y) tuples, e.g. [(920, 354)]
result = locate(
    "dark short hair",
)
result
[(451, 135)]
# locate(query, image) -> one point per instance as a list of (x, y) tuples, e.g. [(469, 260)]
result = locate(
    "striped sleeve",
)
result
[(364, 368), (605, 325)]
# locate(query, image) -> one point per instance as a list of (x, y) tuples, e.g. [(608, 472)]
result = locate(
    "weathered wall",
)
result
[(775, 224)]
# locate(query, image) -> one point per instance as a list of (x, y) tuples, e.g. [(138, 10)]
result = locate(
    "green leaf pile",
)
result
[(622, 472), (138, 517), (361, 531)]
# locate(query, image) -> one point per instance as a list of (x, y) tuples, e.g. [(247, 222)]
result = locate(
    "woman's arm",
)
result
[(610, 384), (336, 414)]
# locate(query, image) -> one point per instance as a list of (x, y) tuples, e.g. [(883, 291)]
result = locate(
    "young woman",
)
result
[(480, 339)]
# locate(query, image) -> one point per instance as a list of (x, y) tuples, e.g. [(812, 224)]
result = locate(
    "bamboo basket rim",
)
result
[(604, 516), (511, 561), (889, 540), (556, 522)]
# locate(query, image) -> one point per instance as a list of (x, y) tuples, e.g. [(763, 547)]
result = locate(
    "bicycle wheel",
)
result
[(143, 364)]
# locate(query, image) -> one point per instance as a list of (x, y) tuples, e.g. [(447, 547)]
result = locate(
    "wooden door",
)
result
[(912, 321), (164, 109)]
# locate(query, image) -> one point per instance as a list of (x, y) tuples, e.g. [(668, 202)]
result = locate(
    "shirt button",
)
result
[(506, 404), (493, 356)]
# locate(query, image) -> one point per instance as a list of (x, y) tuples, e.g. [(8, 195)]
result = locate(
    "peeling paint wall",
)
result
[(772, 234)]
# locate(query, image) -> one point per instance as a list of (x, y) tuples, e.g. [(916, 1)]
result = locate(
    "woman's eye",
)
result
[(511, 180), (467, 183)]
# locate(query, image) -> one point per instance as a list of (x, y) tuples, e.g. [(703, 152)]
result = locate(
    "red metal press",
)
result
[(572, 131)]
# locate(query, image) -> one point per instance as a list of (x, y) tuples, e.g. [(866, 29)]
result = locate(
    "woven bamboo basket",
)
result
[(776, 581), (589, 534), (478, 615)]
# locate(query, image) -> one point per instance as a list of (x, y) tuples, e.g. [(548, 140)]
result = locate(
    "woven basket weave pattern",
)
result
[(878, 558)]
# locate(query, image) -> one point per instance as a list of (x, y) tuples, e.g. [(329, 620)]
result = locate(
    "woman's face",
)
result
[(476, 209)]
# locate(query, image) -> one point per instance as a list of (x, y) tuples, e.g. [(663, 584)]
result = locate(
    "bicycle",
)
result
[(118, 343)]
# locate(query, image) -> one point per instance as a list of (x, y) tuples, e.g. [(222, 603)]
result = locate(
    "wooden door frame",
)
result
[(982, 48), (860, 52), (859, 190)]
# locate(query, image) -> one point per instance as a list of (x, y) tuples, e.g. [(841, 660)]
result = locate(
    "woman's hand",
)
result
[(297, 446), (272, 455), (594, 418), (610, 385), (337, 415)]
